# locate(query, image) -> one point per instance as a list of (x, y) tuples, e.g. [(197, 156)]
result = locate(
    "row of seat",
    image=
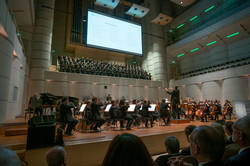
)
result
[(219, 67)]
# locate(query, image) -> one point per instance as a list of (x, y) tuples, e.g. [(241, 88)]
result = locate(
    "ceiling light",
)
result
[(194, 49), (193, 18), (209, 8), (180, 26), (181, 2), (180, 55), (211, 43), (236, 33)]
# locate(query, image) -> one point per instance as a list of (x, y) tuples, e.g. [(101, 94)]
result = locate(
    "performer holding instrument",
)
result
[(227, 110)]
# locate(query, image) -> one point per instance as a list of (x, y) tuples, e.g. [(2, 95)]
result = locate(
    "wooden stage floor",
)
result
[(104, 135), (90, 148)]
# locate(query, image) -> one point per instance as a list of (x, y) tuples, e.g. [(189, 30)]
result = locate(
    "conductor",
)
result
[(175, 100)]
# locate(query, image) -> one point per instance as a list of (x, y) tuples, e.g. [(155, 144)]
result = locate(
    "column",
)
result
[(154, 52), (41, 49)]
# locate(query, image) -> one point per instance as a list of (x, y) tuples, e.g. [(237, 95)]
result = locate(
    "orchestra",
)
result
[(96, 113)]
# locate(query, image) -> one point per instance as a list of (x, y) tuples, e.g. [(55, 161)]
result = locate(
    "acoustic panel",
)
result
[(111, 4), (162, 19), (137, 11)]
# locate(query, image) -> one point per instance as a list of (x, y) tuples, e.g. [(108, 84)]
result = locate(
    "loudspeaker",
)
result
[(40, 136)]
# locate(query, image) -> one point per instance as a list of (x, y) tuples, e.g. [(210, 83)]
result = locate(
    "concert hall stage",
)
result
[(90, 148)]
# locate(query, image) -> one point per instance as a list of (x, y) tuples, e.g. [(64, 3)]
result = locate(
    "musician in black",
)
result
[(216, 110), (205, 111), (136, 114), (228, 109), (175, 101), (95, 109), (66, 116), (164, 112), (146, 114), (123, 109)]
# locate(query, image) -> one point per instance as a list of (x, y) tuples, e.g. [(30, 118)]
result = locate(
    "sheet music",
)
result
[(83, 107), (152, 108), (131, 108), (108, 108)]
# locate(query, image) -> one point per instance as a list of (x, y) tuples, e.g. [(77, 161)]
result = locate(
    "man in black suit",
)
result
[(95, 109), (66, 116), (164, 111), (241, 136), (175, 100)]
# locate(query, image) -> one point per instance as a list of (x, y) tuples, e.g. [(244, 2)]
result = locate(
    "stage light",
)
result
[(180, 55), (209, 8), (17, 34), (194, 49), (211, 43), (53, 51), (173, 61), (236, 33), (193, 18), (180, 26), (181, 2)]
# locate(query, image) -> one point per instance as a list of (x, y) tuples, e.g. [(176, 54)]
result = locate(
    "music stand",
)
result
[(82, 107), (152, 108), (108, 108), (131, 108)]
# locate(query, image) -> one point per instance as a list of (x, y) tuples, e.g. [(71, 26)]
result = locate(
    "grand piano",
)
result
[(47, 102)]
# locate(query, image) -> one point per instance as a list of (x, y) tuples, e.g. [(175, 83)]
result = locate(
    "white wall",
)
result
[(86, 86), (231, 84), (10, 73)]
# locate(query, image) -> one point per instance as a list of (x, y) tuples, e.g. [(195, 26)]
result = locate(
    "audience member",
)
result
[(207, 147), (172, 146), (241, 136), (127, 150), (230, 150), (8, 157), (218, 127), (229, 131), (56, 156), (188, 130)]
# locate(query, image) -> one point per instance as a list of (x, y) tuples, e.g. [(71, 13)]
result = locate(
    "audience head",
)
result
[(94, 99), (228, 128), (8, 157), (172, 145), (127, 150), (241, 132), (218, 127), (163, 101), (206, 144), (56, 156), (64, 99), (188, 130), (176, 87)]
